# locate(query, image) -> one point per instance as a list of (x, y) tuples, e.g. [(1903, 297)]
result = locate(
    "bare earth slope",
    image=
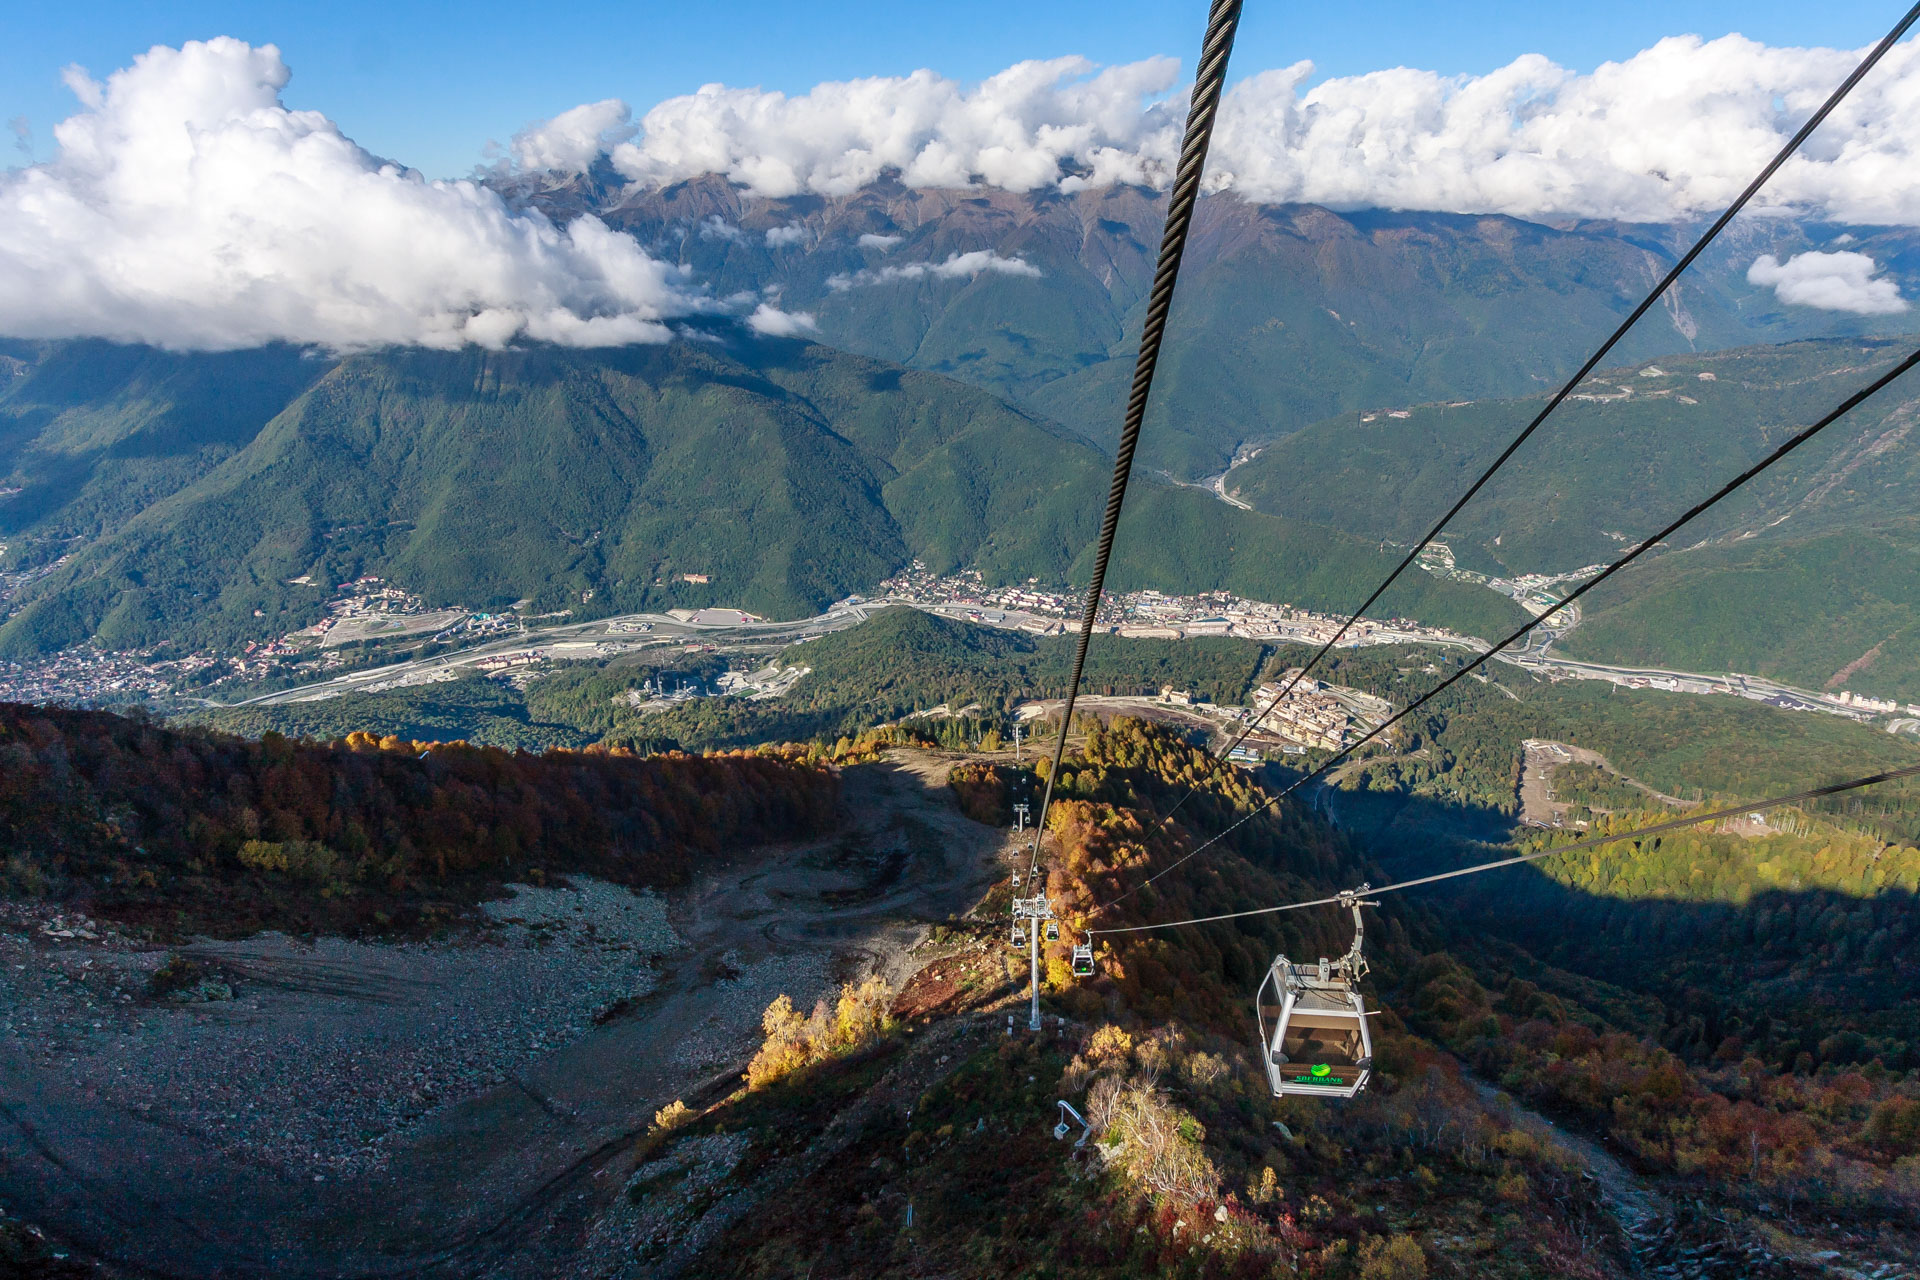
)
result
[(467, 1165)]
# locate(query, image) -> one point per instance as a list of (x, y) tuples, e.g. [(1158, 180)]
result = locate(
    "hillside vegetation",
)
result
[(1604, 473), (1807, 575), (1834, 609), (191, 831), (788, 475), (1192, 1170)]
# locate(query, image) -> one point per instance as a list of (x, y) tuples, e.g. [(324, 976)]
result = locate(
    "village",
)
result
[(1143, 615)]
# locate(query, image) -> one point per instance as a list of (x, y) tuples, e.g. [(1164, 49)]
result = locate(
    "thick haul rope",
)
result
[(1209, 79)]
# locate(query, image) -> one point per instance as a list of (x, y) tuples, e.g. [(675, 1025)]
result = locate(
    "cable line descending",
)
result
[(1638, 833), (1209, 79), (1793, 144), (1692, 513)]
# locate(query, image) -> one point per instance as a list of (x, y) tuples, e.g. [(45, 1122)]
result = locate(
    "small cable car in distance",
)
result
[(1313, 1026)]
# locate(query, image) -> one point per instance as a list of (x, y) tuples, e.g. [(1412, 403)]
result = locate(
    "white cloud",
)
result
[(572, 140), (882, 243), (187, 207), (1829, 281), (1010, 131), (1672, 132), (958, 266), (715, 227), (776, 323), (792, 233)]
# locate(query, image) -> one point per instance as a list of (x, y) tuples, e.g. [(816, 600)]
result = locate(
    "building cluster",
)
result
[(1310, 713), (1026, 607), (91, 677), (1144, 615), (1877, 706), (369, 608)]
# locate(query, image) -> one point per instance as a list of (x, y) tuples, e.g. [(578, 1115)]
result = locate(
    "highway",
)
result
[(636, 632)]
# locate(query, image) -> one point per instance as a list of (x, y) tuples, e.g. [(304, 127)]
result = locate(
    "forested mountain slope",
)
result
[(789, 475), (185, 831), (1807, 574)]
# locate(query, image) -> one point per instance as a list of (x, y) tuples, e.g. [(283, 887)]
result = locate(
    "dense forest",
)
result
[(195, 831)]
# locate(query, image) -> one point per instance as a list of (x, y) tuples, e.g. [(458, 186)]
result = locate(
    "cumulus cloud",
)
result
[(1672, 132), (573, 140), (715, 227), (958, 266), (187, 207), (792, 233), (776, 323), (882, 243), (1012, 130), (1829, 281)]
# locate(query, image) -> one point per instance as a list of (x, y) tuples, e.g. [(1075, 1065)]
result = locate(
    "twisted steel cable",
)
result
[(1209, 80)]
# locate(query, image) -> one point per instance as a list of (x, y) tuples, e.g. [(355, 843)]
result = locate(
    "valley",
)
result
[(546, 728), (588, 1010)]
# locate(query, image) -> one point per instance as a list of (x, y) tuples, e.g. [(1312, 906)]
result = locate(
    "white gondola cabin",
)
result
[(1083, 959), (1313, 1022)]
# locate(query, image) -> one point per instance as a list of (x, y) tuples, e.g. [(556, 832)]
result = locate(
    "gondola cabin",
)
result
[(1313, 1027), (1314, 1038)]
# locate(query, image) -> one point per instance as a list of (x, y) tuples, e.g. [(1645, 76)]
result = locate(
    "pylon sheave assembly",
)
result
[(1313, 1021)]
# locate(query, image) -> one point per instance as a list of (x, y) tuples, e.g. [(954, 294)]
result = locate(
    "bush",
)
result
[(1396, 1257), (858, 1018), (1156, 1144), (1894, 1126), (177, 974)]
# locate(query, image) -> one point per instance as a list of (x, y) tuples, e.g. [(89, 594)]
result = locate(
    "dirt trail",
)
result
[(498, 1183)]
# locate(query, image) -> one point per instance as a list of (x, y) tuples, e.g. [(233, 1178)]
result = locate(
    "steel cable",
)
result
[(1209, 80)]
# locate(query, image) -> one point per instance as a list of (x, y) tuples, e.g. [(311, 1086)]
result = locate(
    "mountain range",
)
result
[(1346, 371), (1288, 314)]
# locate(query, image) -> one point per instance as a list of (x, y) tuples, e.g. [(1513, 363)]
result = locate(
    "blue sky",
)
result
[(431, 84)]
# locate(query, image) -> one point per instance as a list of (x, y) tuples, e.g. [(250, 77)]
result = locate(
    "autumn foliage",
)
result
[(201, 830)]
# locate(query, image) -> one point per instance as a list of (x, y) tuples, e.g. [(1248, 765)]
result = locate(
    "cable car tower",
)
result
[(1313, 1028), (1030, 916)]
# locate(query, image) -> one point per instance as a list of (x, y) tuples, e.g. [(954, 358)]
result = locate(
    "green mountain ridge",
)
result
[(788, 474), (1806, 575)]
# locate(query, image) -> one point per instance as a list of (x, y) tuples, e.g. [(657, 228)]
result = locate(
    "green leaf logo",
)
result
[(1322, 1069)]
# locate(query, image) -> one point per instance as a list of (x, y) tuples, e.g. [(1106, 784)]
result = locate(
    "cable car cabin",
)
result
[(1083, 959), (1053, 931), (1019, 933), (1316, 1038), (1313, 1022)]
